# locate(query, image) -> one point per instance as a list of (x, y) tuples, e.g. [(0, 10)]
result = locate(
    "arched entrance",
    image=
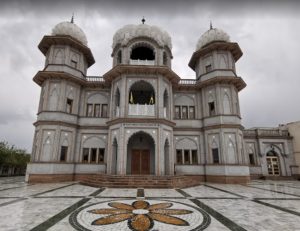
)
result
[(140, 154), (273, 163)]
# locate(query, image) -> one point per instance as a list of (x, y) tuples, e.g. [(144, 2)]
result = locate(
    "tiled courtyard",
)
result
[(261, 205)]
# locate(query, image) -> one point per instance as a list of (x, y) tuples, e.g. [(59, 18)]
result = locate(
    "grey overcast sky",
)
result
[(268, 33)]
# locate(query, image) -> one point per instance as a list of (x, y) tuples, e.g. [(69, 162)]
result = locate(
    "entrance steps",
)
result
[(140, 181)]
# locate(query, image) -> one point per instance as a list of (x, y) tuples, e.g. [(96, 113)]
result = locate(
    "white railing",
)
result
[(141, 62), (142, 110)]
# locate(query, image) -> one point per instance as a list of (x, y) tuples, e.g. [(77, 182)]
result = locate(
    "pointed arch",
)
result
[(46, 150), (114, 157), (53, 100), (167, 157), (226, 104), (223, 63), (117, 102), (59, 57), (166, 103), (231, 156)]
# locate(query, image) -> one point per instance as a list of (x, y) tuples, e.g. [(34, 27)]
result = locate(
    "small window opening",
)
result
[(69, 105), (208, 68), (63, 153), (73, 64), (211, 106), (215, 154)]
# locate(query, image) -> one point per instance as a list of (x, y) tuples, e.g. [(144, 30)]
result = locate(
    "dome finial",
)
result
[(72, 19), (143, 20), (210, 26)]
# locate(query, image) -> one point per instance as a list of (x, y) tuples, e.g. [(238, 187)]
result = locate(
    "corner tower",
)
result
[(214, 64), (67, 59)]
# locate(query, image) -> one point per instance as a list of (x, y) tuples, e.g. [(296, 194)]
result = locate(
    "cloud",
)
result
[(266, 32)]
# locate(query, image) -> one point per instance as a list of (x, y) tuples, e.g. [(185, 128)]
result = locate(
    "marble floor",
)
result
[(260, 205)]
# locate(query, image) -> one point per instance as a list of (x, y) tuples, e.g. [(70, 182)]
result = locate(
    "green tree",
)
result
[(13, 159)]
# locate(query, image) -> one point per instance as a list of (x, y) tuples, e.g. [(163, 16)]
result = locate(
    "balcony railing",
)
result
[(187, 81), (141, 62), (266, 132), (141, 110), (94, 79)]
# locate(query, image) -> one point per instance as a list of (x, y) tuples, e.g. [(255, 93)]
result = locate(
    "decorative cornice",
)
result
[(41, 76), (141, 120), (234, 48), (141, 69), (66, 124), (48, 41)]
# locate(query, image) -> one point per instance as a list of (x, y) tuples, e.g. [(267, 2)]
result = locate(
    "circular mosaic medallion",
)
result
[(139, 215)]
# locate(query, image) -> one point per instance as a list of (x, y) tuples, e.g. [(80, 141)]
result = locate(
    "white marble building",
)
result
[(140, 117)]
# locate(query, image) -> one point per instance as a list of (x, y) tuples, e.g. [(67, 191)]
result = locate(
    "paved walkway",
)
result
[(261, 205)]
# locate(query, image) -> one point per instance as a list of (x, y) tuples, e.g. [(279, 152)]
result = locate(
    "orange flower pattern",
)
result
[(140, 214)]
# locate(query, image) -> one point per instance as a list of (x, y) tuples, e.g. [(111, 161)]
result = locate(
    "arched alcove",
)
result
[(166, 104), (231, 157), (53, 101), (142, 99), (226, 104), (114, 157), (140, 154), (59, 57), (46, 150), (167, 157)]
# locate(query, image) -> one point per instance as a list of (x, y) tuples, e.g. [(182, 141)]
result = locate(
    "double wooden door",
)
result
[(273, 165), (140, 162)]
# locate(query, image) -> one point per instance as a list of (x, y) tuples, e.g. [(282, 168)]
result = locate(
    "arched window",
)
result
[(142, 53), (64, 151), (211, 105), (142, 99), (215, 152), (165, 58), (119, 57), (186, 151), (117, 103), (166, 104)]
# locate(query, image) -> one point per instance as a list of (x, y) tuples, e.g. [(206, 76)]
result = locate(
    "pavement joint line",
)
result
[(218, 216), (270, 190), (277, 207), (223, 190), (64, 213), (51, 190)]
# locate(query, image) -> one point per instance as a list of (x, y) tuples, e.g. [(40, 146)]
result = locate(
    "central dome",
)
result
[(129, 32), (71, 29)]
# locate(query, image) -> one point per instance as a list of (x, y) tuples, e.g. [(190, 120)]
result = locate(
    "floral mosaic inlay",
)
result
[(139, 215)]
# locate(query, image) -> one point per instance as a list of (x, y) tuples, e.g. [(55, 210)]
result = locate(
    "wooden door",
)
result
[(140, 162), (273, 165)]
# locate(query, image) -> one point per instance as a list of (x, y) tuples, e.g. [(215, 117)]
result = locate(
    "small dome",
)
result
[(212, 35), (68, 28), (128, 32)]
